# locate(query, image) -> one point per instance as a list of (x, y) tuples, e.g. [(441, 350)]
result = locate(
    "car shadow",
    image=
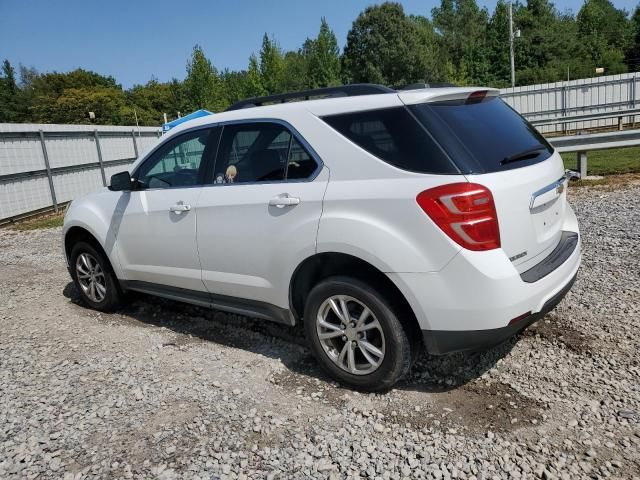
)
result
[(195, 324)]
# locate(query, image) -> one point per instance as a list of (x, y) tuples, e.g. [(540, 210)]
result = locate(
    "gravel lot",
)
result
[(165, 390)]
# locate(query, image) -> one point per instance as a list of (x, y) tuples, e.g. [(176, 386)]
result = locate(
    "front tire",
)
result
[(94, 278), (355, 334)]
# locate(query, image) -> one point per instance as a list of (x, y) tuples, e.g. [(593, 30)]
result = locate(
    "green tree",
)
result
[(253, 83), (632, 55), (271, 65), (462, 26), (201, 85), (606, 32), (497, 45), (385, 46), (74, 105), (69, 97), (150, 102), (12, 107), (431, 58), (296, 72), (550, 45), (323, 58)]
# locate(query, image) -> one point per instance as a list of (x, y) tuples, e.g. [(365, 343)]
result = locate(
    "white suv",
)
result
[(383, 220)]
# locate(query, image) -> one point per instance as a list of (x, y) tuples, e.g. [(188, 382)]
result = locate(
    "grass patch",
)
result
[(608, 182), (44, 221), (607, 162)]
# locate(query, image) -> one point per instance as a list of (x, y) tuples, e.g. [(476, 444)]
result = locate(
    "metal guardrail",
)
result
[(581, 144), (620, 114)]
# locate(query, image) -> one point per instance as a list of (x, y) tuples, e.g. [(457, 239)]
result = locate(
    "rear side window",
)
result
[(253, 152), (483, 136), (394, 135), (301, 164)]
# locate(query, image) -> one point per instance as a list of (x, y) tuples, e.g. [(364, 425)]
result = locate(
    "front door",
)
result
[(156, 238), (260, 218)]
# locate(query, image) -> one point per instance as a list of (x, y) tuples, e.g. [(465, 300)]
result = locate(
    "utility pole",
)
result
[(511, 55)]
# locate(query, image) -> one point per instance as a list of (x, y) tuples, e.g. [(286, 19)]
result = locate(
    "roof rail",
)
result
[(341, 91)]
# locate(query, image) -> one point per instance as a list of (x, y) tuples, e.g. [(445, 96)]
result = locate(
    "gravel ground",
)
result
[(165, 390)]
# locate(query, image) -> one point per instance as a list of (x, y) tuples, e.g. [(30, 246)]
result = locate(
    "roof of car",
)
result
[(331, 104)]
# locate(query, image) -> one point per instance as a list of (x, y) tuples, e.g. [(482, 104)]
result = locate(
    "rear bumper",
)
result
[(441, 342), (472, 301)]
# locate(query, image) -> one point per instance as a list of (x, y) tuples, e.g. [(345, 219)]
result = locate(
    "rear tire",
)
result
[(370, 351), (94, 278)]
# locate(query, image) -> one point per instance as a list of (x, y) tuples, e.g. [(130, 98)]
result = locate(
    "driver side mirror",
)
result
[(121, 182)]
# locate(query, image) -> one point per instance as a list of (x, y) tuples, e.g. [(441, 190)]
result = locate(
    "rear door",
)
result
[(494, 146), (259, 218)]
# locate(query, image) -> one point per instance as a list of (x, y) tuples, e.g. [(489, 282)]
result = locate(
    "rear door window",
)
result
[(483, 136), (394, 136), (252, 152), (301, 165)]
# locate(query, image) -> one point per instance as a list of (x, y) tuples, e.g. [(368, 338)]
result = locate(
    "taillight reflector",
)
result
[(466, 212)]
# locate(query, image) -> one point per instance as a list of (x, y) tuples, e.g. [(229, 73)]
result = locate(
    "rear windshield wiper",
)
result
[(529, 153)]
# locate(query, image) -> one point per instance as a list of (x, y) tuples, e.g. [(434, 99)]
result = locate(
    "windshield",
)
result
[(483, 136)]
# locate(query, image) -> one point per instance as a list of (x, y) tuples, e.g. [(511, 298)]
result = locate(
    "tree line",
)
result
[(461, 43)]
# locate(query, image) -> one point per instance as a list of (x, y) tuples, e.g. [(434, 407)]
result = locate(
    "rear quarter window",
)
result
[(396, 137)]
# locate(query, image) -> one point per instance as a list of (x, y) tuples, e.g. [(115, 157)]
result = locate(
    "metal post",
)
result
[(104, 178), (511, 54), (633, 100), (135, 144), (565, 101), (582, 164), (48, 168)]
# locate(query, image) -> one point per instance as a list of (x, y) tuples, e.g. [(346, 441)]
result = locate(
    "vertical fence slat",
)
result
[(135, 144), (104, 178), (49, 175)]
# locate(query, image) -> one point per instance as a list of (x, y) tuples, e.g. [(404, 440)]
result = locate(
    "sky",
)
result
[(134, 40)]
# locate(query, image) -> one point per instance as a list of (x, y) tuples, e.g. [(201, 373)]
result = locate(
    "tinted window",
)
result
[(301, 164), (393, 135), (485, 136), (253, 152), (177, 163)]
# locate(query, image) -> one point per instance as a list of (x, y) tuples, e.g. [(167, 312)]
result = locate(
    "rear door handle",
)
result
[(180, 207), (284, 201)]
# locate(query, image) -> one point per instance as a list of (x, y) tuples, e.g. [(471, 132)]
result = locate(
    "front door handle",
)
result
[(284, 201), (180, 207)]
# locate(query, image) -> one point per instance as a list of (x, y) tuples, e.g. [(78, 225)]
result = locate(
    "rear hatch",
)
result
[(494, 146)]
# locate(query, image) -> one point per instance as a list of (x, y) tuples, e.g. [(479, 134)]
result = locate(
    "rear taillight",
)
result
[(465, 212)]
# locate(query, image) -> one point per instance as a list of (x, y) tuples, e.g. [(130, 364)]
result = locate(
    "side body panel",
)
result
[(97, 213), (250, 249), (157, 245)]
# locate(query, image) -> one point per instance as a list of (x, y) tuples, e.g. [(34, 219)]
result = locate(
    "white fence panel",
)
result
[(576, 97), (24, 195), (31, 181)]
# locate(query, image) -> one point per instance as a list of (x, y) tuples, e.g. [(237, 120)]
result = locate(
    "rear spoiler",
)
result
[(468, 94)]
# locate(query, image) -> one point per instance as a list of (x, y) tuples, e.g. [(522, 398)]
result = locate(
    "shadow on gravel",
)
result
[(196, 325)]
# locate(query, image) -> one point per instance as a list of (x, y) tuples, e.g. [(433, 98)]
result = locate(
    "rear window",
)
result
[(485, 136), (394, 135)]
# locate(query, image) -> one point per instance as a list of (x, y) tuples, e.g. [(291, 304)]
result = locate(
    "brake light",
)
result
[(477, 96), (466, 212)]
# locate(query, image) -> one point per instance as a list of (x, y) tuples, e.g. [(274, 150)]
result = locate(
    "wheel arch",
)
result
[(327, 264), (77, 234)]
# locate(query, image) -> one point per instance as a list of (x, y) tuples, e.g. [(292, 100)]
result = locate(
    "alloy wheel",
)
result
[(350, 334), (91, 277)]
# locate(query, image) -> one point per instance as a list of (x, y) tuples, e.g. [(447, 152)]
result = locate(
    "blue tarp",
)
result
[(197, 114)]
